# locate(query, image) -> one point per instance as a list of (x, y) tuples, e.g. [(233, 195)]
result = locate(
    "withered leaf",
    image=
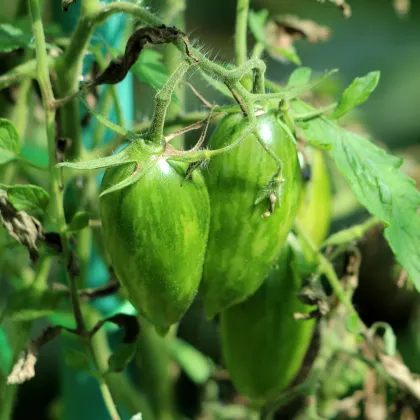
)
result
[(65, 4), (24, 369), (20, 226), (119, 67), (283, 30)]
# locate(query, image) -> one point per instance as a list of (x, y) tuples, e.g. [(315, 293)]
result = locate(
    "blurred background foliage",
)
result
[(374, 38)]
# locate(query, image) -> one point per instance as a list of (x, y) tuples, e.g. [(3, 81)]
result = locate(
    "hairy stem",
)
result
[(56, 187), (241, 35), (162, 101)]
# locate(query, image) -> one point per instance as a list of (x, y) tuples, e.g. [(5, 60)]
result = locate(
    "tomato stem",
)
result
[(56, 187), (162, 102)]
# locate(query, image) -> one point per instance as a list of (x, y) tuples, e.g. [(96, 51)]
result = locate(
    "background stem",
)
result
[(241, 36)]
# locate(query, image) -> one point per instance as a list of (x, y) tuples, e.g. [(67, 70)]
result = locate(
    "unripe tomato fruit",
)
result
[(155, 231), (315, 207), (242, 242), (263, 345)]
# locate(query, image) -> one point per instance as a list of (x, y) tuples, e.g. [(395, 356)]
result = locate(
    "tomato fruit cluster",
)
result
[(263, 344), (172, 232)]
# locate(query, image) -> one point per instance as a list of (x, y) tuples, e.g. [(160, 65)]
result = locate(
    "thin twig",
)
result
[(199, 96)]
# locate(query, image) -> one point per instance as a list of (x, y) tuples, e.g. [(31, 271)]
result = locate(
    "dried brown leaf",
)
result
[(65, 4), (24, 369), (119, 67), (284, 30), (20, 226), (400, 372)]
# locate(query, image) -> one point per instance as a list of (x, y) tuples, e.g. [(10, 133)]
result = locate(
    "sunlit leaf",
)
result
[(9, 138), (357, 93), (31, 198), (197, 366), (379, 185)]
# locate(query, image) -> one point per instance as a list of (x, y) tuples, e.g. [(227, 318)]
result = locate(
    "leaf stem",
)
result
[(241, 35), (325, 267)]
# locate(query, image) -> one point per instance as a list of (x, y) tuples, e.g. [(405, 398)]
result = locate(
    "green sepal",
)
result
[(134, 177), (105, 162)]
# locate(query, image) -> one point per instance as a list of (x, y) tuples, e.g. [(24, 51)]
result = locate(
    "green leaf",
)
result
[(379, 185), (300, 77), (9, 138), (257, 21), (197, 366), (357, 93), (149, 69), (389, 338), (31, 198), (119, 360), (13, 38), (352, 323), (76, 359), (6, 156), (32, 303), (6, 354), (80, 221)]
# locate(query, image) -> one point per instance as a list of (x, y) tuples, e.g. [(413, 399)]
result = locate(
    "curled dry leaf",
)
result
[(65, 4), (119, 67), (400, 372), (283, 30), (20, 226), (295, 28), (24, 369)]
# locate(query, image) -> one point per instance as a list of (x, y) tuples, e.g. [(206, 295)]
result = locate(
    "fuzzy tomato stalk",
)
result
[(155, 232), (242, 242)]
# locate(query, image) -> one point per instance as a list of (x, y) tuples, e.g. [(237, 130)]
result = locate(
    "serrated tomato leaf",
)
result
[(299, 77), (31, 198), (9, 138), (379, 185), (357, 93)]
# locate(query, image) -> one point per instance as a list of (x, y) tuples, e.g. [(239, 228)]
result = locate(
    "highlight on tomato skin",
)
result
[(155, 232), (249, 223), (263, 343)]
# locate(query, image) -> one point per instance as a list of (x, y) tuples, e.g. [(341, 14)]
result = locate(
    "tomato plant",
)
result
[(251, 236)]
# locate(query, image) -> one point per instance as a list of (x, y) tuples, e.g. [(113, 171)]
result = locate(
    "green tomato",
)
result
[(243, 244), (155, 232), (263, 344), (315, 208)]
